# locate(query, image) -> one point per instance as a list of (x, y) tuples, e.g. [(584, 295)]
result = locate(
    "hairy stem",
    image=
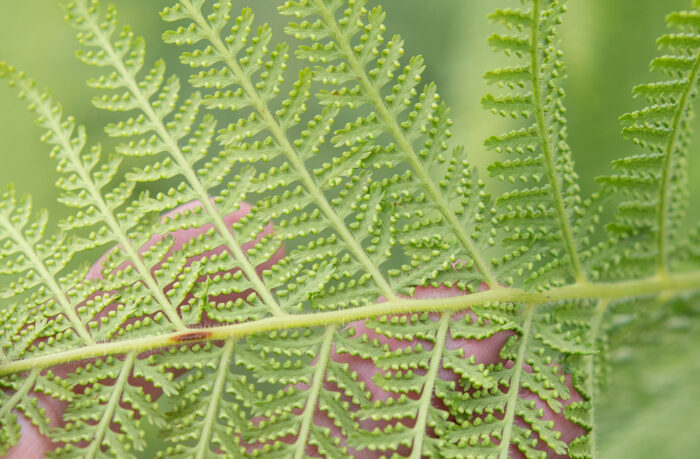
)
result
[(404, 144), (290, 152), (670, 285)]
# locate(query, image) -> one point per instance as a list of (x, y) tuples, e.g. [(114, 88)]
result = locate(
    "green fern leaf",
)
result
[(537, 217), (362, 73), (308, 289), (658, 179)]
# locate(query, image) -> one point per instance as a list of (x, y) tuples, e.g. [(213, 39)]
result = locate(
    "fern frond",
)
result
[(557, 329), (539, 218), (362, 75), (259, 87), (104, 404), (36, 268), (214, 394), (50, 320), (21, 400), (297, 410), (587, 379), (83, 184), (400, 376), (156, 99), (658, 178), (419, 367), (366, 297)]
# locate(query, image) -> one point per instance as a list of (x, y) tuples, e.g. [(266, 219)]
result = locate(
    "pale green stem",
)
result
[(404, 144), (217, 391), (314, 392), (431, 378), (290, 152), (671, 285), (547, 153), (116, 390), (49, 280), (514, 390), (591, 368), (191, 177)]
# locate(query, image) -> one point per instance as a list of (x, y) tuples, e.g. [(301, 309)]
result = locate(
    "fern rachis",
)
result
[(401, 310)]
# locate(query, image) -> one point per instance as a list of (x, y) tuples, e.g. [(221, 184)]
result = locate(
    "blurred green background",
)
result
[(649, 407)]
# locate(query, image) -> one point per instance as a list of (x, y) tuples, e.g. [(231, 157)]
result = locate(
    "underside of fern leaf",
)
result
[(326, 274)]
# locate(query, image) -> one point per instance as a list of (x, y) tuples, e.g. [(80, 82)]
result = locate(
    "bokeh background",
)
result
[(650, 406)]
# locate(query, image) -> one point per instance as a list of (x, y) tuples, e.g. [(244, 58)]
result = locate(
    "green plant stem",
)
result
[(667, 170), (670, 285), (431, 378), (116, 390), (547, 153), (22, 392), (599, 313), (514, 391), (215, 396), (397, 133), (290, 152), (314, 392), (49, 280), (190, 175)]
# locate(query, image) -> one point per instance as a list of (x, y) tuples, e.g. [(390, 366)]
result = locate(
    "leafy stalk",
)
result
[(71, 150), (215, 216), (12, 402), (301, 370), (655, 182), (543, 129), (290, 151), (410, 154), (592, 366), (50, 281), (515, 384), (665, 188), (431, 378), (94, 450), (217, 392), (314, 391)]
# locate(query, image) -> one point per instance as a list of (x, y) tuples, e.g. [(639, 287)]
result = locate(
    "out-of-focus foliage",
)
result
[(600, 38), (649, 413)]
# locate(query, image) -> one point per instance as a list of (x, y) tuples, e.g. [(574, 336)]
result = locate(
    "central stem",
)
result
[(669, 286)]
